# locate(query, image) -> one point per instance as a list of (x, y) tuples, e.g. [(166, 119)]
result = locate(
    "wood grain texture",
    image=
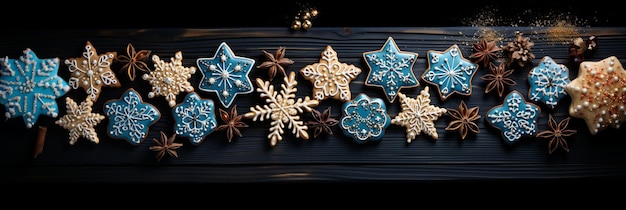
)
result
[(484, 156)]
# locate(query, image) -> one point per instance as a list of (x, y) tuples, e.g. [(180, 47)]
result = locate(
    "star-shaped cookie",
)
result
[(195, 118), (547, 82), (29, 87), (169, 78), (391, 69), (330, 78), (225, 74), (515, 117), (598, 94), (129, 117), (92, 71), (450, 72), (418, 115), (80, 121)]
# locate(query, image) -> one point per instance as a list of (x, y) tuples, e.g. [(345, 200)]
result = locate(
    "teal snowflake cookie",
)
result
[(29, 87), (195, 118), (129, 117), (364, 119), (450, 72), (515, 117), (391, 69), (547, 82), (225, 74)]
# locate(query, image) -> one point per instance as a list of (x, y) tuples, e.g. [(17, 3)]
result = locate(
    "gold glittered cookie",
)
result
[(92, 71), (80, 121), (330, 78)]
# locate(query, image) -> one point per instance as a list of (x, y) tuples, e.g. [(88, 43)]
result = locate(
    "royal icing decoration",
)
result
[(282, 108), (92, 71), (391, 69), (195, 118), (515, 118), (450, 72), (80, 121), (364, 119), (169, 78), (547, 82), (129, 117), (330, 78), (598, 94), (225, 74), (418, 115), (29, 87)]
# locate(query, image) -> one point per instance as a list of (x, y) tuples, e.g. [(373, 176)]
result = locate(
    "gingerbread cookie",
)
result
[(598, 94), (92, 71), (129, 117), (80, 121), (330, 78), (364, 119), (515, 117), (547, 82), (418, 115), (450, 72), (195, 118), (29, 87), (391, 69), (169, 78)]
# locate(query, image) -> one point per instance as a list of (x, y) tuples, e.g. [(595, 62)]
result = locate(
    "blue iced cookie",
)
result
[(547, 82), (450, 72), (364, 118), (390, 69), (29, 87), (195, 118), (129, 117), (515, 117), (225, 74)]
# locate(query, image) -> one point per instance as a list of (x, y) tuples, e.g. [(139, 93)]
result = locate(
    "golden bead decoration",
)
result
[(303, 19)]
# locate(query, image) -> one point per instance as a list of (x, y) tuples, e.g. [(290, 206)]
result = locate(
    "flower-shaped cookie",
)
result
[(195, 118), (364, 119), (598, 94), (129, 117), (547, 82), (80, 121), (225, 74), (169, 78), (418, 115), (515, 117), (92, 71), (330, 78), (29, 87), (391, 69), (450, 72)]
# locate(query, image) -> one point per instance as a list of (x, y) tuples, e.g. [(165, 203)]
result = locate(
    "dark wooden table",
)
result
[(328, 158)]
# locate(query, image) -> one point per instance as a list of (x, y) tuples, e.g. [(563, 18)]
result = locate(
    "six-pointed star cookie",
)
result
[(80, 121), (225, 74), (29, 87), (195, 118), (598, 94), (547, 82), (418, 115), (92, 71), (515, 117), (450, 72), (330, 78), (169, 78), (129, 117), (391, 69)]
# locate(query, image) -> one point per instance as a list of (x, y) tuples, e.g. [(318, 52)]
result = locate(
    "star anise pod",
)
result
[(276, 62), (322, 122), (555, 134), (463, 120), (518, 51), (165, 145), (498, 78), (485, 52), (233, 123), (133, 61)]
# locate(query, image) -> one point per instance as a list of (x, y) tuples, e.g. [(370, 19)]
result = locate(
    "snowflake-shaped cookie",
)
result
[(330, 78), (29, 87), (80, 121), (391, 69), (129, 117), (169, 78), (450, 72), (515, 118), (547, 82), (225, 74), (364, 119), (195, 118), (598, 94), (92, 71), (418, 115), (282, 108)]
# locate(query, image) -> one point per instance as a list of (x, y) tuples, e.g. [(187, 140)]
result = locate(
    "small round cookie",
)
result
[(129, 117), (547, 82), (515, 117), (194, 118), (450, 72), (330, 78), (364, 119)]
